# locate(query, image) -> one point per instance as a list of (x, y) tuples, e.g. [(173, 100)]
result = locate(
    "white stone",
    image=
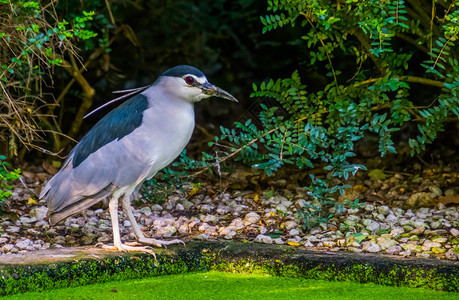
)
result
[(291, 225), (205, 227), (394, 250), (148, 211), (238, 223), (369, 207), (398, 211), (371, 247), (207, 208), (286, 203), (168, 231), (308, 244), (278, 241), (435, 224), (203, 237), (355, 250), (380, 217), (262, 229), (385, 210), (301, 203), (294, 232), (98, 211), (329, 244), (420, 223), (373, 226), (386, 243), (187, 204), (429, 245), (223, 209), (436, 191), (8, 247), (210, 219), (39, 212), (251, 218), (183, 229), (24, 244), (13, 229), (281, 207), (263, 239)]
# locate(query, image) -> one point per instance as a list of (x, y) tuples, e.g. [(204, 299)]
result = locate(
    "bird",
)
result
[(129, 145)]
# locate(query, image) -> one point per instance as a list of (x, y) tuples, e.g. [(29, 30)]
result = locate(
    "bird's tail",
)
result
[(78, 205)]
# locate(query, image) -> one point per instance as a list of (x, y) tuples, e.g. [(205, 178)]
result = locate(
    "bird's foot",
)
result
[(159, 243), (134, 247)]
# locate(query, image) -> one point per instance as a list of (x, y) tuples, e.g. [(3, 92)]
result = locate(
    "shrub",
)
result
[(391, 47), (6, 179), (33, 43)]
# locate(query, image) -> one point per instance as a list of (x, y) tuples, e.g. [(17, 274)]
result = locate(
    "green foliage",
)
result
[(6, 179), (33, 43), (319, 127)]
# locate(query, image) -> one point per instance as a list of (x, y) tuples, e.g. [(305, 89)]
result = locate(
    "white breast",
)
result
[(166, 129)]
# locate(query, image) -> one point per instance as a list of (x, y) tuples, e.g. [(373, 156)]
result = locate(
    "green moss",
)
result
[(386, 273), (234, 258), (217, 285), (77, 273)]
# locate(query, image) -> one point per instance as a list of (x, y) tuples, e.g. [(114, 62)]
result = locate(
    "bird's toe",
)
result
[(160, 243), (129, 248)]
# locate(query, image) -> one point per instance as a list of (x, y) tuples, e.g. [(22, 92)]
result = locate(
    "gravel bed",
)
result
[(246, 216)]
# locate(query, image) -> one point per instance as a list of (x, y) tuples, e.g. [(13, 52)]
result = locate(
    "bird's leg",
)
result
[(117, 245), (140, 236)]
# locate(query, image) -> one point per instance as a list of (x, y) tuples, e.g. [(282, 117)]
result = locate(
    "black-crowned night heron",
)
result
[(128, 146)]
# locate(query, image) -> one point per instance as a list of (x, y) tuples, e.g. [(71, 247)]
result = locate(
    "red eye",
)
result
[(189, 80)]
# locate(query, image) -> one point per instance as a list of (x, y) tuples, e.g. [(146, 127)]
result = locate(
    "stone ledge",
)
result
[(64, 267)]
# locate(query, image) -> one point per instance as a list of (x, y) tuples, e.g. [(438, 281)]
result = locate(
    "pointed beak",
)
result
[(212, 90)]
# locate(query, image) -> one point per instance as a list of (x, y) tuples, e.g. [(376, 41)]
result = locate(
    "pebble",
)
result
[(384, 210), (372, 226), (308, 244), (290, 225), (206, 208), (394, 250), (39, 213), (450, 254), (203, 237), (282, 208), (294, 232), (262, 229), (251, 218), (265, 239), (354, 249), (386, 243), (369, 207), (371, 247), (278, 241), (13, 229), (391, 219), (24, 244), (436, 224), (329, 244)]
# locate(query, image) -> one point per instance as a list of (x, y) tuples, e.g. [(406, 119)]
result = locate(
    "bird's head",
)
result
[(191, 84)]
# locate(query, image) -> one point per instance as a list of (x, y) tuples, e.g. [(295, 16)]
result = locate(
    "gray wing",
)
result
[(119, 163), (110, 156)]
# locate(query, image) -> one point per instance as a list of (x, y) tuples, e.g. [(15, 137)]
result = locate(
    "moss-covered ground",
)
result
[(21, 274), (220, 285)]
